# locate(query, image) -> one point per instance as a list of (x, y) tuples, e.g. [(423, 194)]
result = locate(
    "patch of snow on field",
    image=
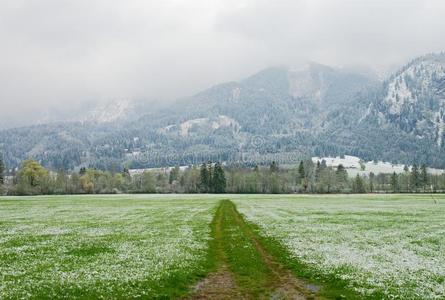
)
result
[(348, 161), (353, 166)]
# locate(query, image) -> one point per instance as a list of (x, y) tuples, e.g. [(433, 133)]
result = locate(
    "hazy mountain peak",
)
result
[(317, 110), (111, 111)]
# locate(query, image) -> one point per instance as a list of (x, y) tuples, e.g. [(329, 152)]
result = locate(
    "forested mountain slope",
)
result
[(279, 113)]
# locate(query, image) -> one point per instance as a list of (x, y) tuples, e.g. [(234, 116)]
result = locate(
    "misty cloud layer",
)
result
[(56, 54)]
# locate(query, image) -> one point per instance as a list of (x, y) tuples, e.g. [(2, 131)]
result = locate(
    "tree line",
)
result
[(212, 177)]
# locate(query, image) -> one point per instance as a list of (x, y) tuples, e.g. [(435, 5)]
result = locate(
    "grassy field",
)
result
[(169, 246), (382, 247), (102, 246)]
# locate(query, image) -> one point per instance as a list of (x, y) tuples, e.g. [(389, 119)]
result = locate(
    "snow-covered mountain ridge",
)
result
[(414, 98)]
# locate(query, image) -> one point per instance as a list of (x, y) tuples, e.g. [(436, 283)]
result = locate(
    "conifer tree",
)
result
[(218, 179), (371, 181), (317, 171), (394, 182), (82, 171), (415, 178), (341, 173), (301, 172), (423, 177), (174, 174), (210, 171), (2, 171), (204, 177), (274, 167)]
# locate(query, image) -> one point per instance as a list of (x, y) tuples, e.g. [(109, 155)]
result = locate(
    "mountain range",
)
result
[(283, 114)]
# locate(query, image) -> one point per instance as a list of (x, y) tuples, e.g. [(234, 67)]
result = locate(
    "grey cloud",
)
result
[(342, 32), (56, 54)]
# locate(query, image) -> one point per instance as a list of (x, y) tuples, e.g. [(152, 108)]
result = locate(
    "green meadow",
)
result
[(261, 246)]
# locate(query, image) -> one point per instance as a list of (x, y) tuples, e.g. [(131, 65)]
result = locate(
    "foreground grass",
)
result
[(243, 258), (375, 247), (139, 246), (241, 255), (103, 247)]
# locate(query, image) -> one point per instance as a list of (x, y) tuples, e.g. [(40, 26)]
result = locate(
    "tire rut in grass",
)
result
[(219, 284), (245, 270)]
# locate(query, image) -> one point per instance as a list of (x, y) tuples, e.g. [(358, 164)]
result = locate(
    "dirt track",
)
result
[(280, 283)]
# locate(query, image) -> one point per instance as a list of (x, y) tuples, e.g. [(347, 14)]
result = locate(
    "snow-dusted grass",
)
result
[(390, 247), (102, 246)]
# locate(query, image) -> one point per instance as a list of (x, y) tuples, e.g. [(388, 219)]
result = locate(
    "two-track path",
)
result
[(245, 269)]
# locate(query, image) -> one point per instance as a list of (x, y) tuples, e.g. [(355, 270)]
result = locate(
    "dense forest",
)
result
[(304, 177)]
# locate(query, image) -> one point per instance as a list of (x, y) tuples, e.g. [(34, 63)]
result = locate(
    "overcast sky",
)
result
[(57, 53)]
